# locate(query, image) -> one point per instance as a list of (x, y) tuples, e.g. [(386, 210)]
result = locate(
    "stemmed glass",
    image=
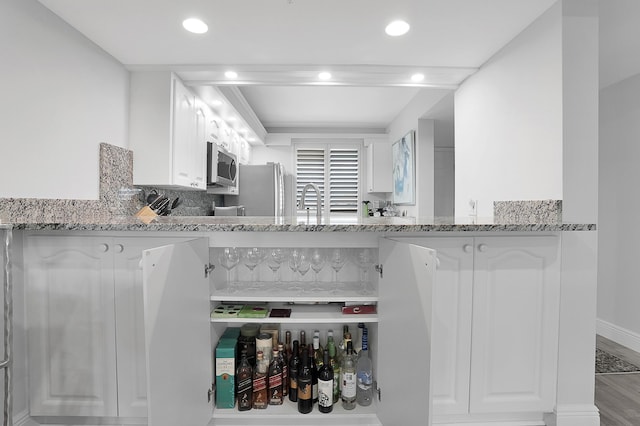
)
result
[(303, 264), (337, 260), (364, 259), (275, 258), (294, 261), (229, 259), (252, 258), (317, 261)]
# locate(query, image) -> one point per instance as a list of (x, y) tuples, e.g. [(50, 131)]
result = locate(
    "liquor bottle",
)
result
[(294, 367), (348, 372), (260, 391), (275, 379), (333, 360), (364, 373), (357, 340), (325, 384), (317, 350), (303, 342), (314, 375), (244, 374), (305, 393), (341, 345), (285, 369), (287, 346)]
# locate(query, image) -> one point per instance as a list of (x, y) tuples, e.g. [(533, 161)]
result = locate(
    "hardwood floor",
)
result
[(618, 395)]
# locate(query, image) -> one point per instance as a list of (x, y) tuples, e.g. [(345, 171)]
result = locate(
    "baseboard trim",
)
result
[(574, 415), (620, 335)]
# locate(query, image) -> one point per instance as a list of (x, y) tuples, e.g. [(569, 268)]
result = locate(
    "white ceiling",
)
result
[(278, 46)]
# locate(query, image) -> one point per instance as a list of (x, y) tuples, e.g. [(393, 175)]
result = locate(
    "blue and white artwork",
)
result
[(404, 178)]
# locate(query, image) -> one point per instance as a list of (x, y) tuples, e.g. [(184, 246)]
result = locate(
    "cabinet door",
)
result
[(199, 148), (451, 355), (183, 134), (404, 343), (70, 326), (177, 334), (515, 323)]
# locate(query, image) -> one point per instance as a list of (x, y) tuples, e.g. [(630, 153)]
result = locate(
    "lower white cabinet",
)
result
[(495, 331), (86, 330)]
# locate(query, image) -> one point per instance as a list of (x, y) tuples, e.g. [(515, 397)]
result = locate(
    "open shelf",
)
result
[(306, 314)]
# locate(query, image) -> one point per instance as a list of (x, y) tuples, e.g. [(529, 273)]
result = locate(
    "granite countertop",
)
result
[(298, 224)]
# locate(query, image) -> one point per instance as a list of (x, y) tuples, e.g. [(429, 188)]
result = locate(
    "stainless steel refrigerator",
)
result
[(260, 190)]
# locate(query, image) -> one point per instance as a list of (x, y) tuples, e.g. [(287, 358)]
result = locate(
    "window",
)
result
[(336, 170)]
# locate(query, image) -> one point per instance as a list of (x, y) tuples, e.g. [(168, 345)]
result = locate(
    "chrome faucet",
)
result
[(318, 198)]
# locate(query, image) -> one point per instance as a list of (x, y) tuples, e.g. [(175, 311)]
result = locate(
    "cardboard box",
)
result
[(225, 366)]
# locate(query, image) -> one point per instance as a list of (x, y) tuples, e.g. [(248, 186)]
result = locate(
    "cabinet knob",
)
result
[(467, 248), (482, 247), (104, 247), (119, 248)]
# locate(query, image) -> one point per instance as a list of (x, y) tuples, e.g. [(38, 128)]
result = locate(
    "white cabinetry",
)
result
[(379, 167), (164, 132), (86, 329), (495, 335)]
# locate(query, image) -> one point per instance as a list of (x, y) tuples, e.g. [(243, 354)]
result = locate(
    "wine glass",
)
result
[(252, 258), (294, 260), (275, 258), (317, 260), (229, 259), (304, 265), (364, 259), (337, 260)]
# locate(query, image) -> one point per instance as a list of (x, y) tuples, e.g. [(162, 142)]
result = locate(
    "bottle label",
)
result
[(348, 385), (259, 383), (325, 393), (293, 383), (304, 389), (275, 380), (364, 380)]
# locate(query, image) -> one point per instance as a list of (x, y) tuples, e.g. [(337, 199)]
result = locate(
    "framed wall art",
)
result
[(404, 176)]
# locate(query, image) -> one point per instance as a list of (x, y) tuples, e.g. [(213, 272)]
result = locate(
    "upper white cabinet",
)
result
[(166, 133), (379, 167)]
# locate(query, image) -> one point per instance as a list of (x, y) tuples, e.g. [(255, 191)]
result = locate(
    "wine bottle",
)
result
[(333, 360), (348, 372), (325, 384), (314, 375), (244, 374), (294, 367), (317, 350), (275, 379), (364, 373), (285, 369), (303, 341), (305, 393), (260, 391)]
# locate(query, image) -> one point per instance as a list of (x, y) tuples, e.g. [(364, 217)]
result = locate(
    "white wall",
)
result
[(508, 122), (619, 205), (61, 97), (409, 119)]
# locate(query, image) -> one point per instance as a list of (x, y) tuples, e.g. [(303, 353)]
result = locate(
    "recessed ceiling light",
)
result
[(418, 77), (324, 75), (231, 74), (195, 26), (397, 28)]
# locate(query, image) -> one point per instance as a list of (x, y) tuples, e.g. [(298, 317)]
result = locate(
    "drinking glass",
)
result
[(294, 260), (337, 260), (275, 258), (303, 264), (229, 259), (364, 259), (317, 260), (252, 258)]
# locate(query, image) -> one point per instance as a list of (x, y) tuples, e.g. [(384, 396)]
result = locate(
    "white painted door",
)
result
[(70, 326), (177, 334), (404, 341), (515, 323), (451, 355), (183, 134)]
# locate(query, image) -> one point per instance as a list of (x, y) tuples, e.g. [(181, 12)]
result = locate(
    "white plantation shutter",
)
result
[(310, 168), (343, 180), (332, 167)]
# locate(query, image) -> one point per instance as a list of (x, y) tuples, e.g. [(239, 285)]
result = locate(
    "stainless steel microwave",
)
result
[(222, 166)]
